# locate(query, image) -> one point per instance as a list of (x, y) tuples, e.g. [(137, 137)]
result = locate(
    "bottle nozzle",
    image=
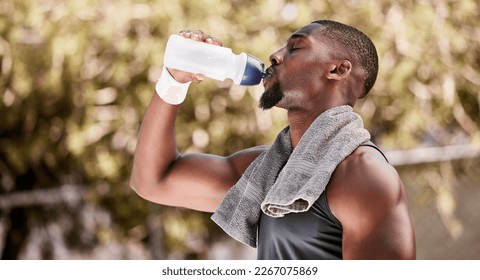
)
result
[(254, 71)]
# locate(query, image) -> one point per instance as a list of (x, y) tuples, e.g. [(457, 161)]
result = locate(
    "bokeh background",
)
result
[(77, 75)]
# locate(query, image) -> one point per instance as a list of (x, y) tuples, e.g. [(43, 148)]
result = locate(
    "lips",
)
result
[(268, 74), (270, 70)]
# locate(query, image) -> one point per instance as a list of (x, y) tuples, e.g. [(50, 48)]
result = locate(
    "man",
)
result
[(321, 191)]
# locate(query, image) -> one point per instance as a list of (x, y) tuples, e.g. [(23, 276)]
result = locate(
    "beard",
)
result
[(271, 96)]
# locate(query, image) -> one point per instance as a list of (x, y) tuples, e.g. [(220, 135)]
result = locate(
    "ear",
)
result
[(339, 70)]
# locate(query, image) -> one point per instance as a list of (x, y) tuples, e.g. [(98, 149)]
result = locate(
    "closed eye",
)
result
[(294, 47), (295, 43)]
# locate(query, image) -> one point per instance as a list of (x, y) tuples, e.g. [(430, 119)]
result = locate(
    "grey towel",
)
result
[(281, 181)]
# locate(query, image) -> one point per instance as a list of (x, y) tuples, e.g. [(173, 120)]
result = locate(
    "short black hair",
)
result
[(359, 44)]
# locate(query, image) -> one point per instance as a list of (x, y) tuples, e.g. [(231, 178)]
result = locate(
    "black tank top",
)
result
[(312, 235)]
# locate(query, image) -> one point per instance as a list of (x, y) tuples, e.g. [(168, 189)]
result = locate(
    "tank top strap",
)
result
[(371, 144)]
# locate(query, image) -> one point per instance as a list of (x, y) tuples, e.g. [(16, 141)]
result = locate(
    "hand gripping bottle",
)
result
[(213, 61)]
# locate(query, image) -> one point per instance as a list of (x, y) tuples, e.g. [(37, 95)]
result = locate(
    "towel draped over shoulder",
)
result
[(282, 181)]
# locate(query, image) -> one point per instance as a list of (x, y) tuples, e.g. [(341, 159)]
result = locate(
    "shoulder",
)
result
[(367, 169), (366, 195), (364, 183)]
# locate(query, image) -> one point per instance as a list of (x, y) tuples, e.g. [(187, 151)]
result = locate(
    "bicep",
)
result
[(200, 181)]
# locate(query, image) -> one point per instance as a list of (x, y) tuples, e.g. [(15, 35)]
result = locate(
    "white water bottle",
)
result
[(213, 61)]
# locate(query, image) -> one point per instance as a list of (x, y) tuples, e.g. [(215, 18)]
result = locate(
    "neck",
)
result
[(299, 123), (301, 117)]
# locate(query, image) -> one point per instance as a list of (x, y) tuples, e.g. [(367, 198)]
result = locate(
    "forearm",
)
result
[(156, 146)]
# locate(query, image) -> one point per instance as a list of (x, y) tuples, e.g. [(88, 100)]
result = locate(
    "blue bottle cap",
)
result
[(253, 71)]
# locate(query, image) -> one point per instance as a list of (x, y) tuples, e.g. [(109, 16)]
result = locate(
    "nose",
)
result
[(276, 57)]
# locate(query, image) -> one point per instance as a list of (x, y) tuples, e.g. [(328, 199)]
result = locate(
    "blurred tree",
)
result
[(76, 76)]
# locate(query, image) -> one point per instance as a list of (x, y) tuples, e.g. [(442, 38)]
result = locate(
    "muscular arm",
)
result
[(162, 175), (368, 199)]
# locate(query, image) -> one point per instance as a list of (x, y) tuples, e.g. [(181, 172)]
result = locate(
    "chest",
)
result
[(314, 234)]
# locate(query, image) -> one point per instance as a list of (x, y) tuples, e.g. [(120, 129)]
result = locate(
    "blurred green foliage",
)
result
[(76, 77)]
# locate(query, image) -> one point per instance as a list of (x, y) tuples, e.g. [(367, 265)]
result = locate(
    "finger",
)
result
[(198, 35), (193, 34), (213, 40), (197, 78)]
